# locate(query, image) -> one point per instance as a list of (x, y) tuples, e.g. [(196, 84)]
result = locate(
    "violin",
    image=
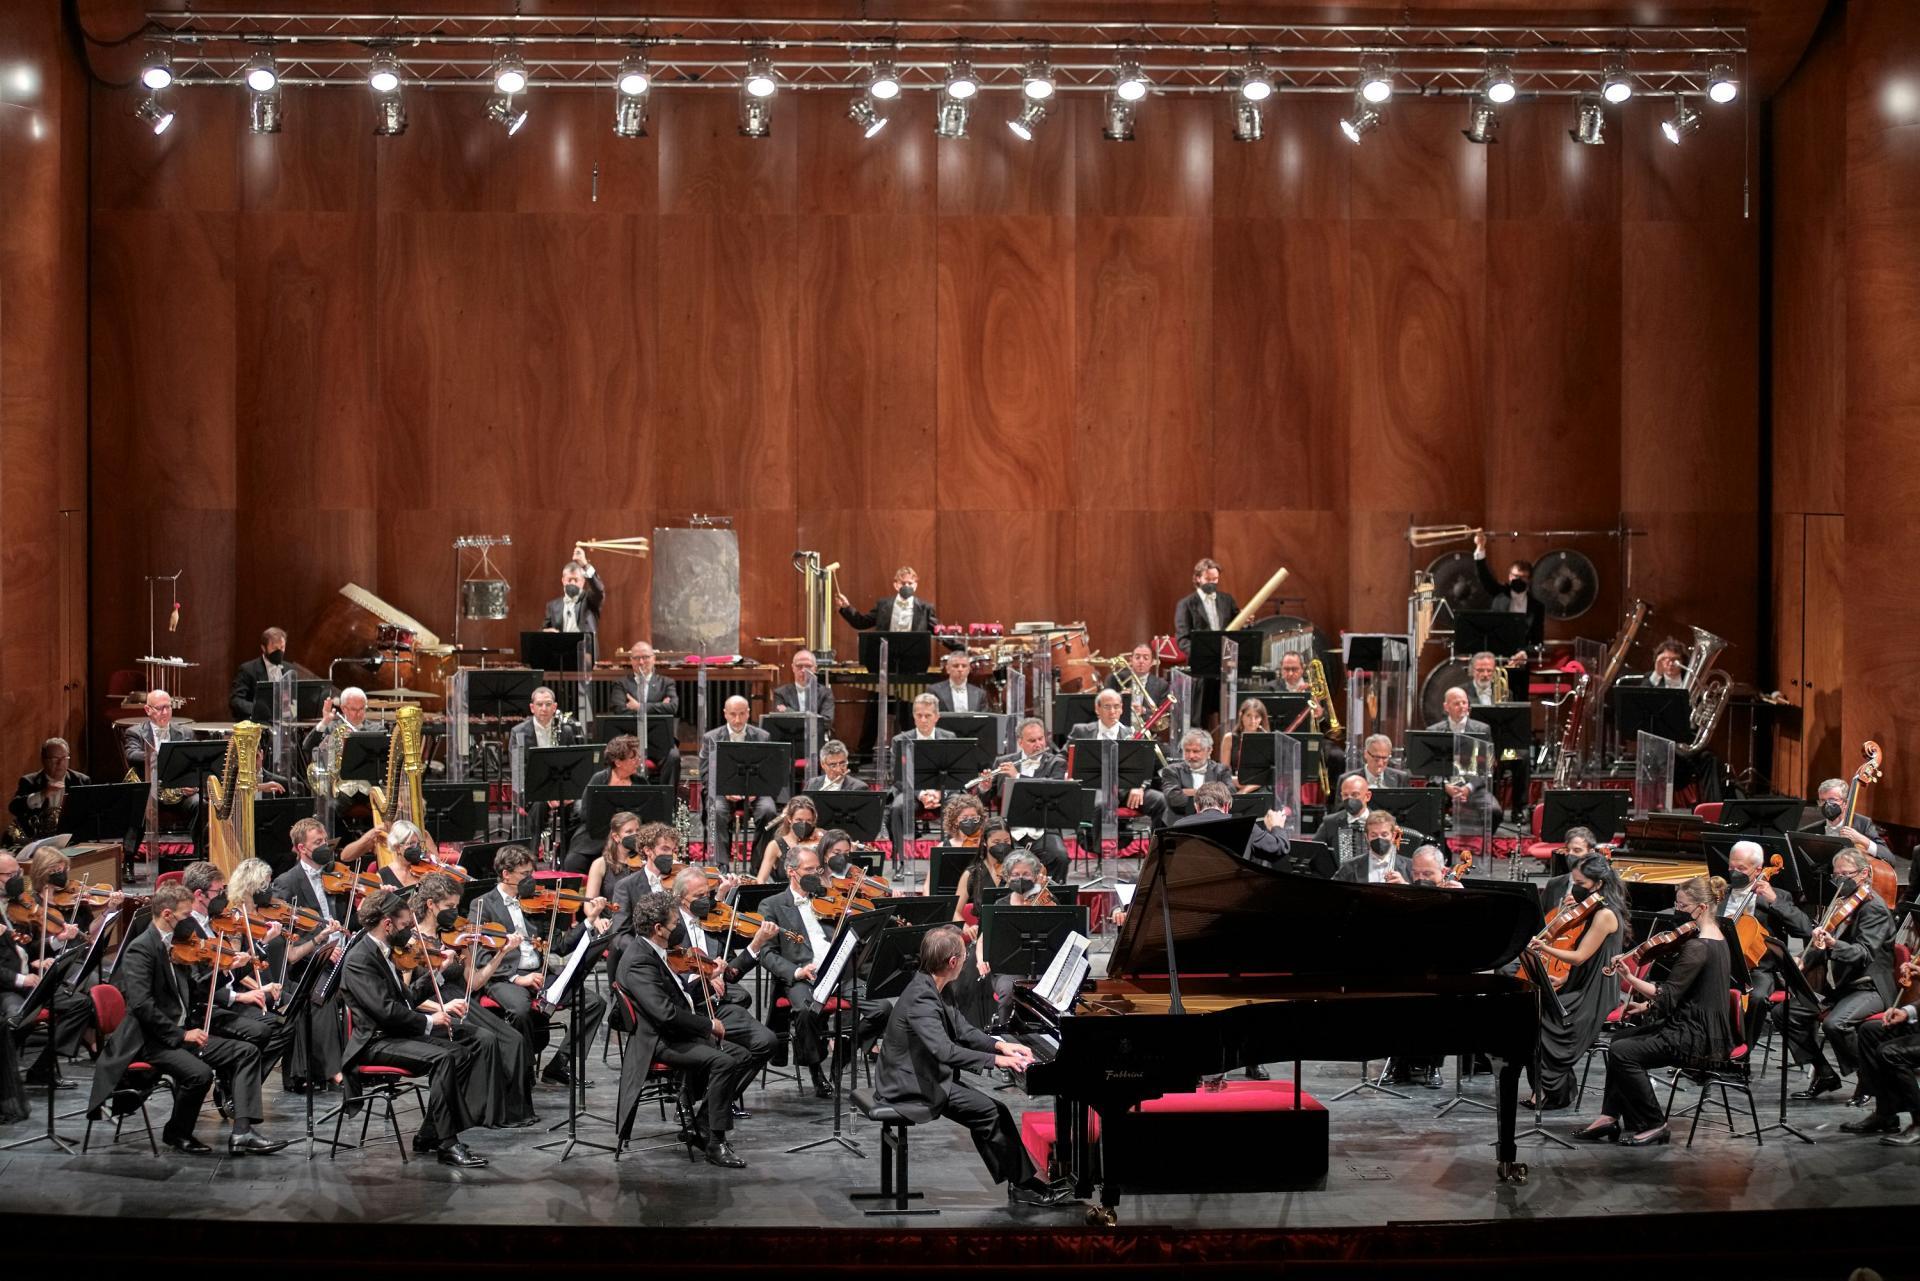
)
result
[(464, 934), (1464, 866), (1664, 939), (564, 901), (1838, 917), (294, 920), (342, 882), (91, 895), (862, 883), (202, 951), (26, 911), (688, 960), (1564, 931), (725, 917), (835, 905), (231, 922)]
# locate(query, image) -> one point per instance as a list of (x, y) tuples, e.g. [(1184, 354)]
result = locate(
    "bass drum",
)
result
[(1433, 691), (1073, 667)]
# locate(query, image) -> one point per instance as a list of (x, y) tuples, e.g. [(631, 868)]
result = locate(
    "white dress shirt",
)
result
[(529, 958), (1378, 867), (1211, 610), (902, 617), (810, 922)]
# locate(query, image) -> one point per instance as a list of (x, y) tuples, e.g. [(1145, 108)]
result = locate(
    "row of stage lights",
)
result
[(1251, 87)]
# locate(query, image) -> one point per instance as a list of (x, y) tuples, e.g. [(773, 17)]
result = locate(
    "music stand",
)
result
[(187, 763), (662, 734), (1133, 764), (1813, 856), (1601, 810), (945, 863), (479, 886), (1050, 804), (1796, 987), (363, 756), (749, 770), (1070, 710), (1203, 651), (908, 653), (917, 909), (982, 727), (555, 651), (1655, 709), (946, 764), (567, 985), (455, 811), (1019, 941), (1496, 631), (501, 693), (1777, 814), (852, 938), (1549, 999), (1255, 804), (477, 856), (273, 820), (1512, 727), (1408, 804), (1256, 751), (103, 811), (791, 728), (1430, 753), (860, 815), (602, 801), (1717, 847), (750, 897), (1309, 858), (309, 697), (42, 999), (1282, 705), (896, 959)]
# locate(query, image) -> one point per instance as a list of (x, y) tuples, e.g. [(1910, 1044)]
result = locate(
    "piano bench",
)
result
[(1284, 1146), (893, 1157)]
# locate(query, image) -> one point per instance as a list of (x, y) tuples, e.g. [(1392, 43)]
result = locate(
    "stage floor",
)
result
[(1392, 1162)]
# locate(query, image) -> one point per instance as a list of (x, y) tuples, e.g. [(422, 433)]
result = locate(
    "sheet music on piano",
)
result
[(1061, 983)]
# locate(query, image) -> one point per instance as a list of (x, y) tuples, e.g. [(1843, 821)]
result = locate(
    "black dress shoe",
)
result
[(1650, 1139), (253, 1144), (822, 1089), (1038, 1193), (1608, 1133), (189, 1145), (740, 1112), (1433, 1081), (558, 1072), (1860, 1101), (1872, 1124), (1907, 1138), (721, 1153), (692, 1138), (1821, 1085), (459, 1154), (1258, 1072)]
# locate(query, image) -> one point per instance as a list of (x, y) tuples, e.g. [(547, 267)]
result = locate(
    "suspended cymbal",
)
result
[(1456, 582), (1566, 583)]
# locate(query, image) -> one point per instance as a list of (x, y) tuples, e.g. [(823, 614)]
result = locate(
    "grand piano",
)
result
[(1225, 961)]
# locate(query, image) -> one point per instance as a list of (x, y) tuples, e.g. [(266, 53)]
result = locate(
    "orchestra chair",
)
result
[(169, 878), (1534, 847), (378, 1084), (1734, 1073), (780, 1023), (1708, 810), (141, 1079), (894, 1188), (662, 1083)]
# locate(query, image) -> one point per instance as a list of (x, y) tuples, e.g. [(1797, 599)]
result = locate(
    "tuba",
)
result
[(1707, 687), (230, 824)]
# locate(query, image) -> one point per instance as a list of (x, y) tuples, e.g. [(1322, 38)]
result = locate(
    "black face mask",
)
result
[(1380, 845), (970, 826), (276, 657), (803, 828), (16, 885), (322, 857), (838, 863), (663, 864), (1738, 880), (702, 906), (528, 888), (1831, 810), (630, 842), (906, 591), (1517, 584), (444, 919), (1208, 589), (573, 591), (263, 899), (811, 886), (217, 905), (401, 938), (1021, 885), (1354, 805), (58, 880), (998, 851), (413, 854), (185, 931), (1843, 882)]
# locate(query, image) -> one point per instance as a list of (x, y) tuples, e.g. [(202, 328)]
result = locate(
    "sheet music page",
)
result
[(1064, 972), (842, 947), (563, 979), (1124, 891)]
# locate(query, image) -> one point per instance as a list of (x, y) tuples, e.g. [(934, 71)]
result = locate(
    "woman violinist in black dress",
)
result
[(1586, 995), (1689, 1023)]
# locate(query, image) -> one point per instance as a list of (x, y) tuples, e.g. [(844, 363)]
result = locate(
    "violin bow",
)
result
[(433, 974), (213, 987)]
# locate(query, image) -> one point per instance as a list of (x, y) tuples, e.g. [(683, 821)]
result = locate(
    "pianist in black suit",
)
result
[(922, 1054)]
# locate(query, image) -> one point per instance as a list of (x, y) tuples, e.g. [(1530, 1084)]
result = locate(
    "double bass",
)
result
[(1885, 881)]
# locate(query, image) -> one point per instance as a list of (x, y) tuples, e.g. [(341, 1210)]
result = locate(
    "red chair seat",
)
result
[(140, 1067), (1619, 1012), (832, 1004), (377, 1069), (41, 1016), (486, 1002), (1777, 998)]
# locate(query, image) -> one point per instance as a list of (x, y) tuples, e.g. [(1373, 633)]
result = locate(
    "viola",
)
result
[(203, 951), (833, 905), (464, 934), (856, 881), (91, 895), (688, 960), (1648, 946), (1564, 931), (564, 901), (725, 917)]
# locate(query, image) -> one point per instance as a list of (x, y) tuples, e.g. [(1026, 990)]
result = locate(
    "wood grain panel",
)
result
[(841, 172), (1880, 678), (1416, 336), (1701, 569), (1823, 657), (189, 167), (1005, 338), (1312, 545), (1158, 550), (727, 333), (1280, 375), (864, 362), (305, 425), (1704, 177), (322, 158), (1536, 172), (1144, 374), (1788, 536), (1553, 390), (870, 543), (1883, 323), (164, 388), (1165, 171), (1690, 381), (1299, 169), (1380, 564), (706, 167), (976, 548), (1417, 165), (1883, 73), (572, 162), (449, 159), (139, 541), (294, 566), (991, 172)]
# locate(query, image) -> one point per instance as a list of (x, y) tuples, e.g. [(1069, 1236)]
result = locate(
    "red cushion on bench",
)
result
[(375, 1069), (1038, 1133)]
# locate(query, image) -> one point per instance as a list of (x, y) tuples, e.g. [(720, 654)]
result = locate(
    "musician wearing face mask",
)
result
[(1827, 816), (1382, 864), (21, 966), (251, 697), (241, 1000), (1514, 596), (1344, 829), (314, 1065), (1751, 894), (1205, 609), (619, 858), (1848, 962), (694, 900), (1686, 1023), (904, 611), (415, 856), (1587, 994), (798, 825), (498, 1094), (582, 598), (522, 971), (657, 849), (160, 1028), (1889, 1055), (1430, 869), (795, 958)]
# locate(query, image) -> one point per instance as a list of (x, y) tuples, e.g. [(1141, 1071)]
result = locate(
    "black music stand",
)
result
[(791, 728), (480, 884), (42, 999), (1602, 810), (1549, 1000), (187, 763), (1133, 765), (455, 811), (1310, 858), (751, 770), (1497, 631), (557, 651), (1762, 814), (1418, 808), (1203, 651), (1430, 753), (556, 774), (1070, 710), (1812, 857), (918, 909), (1050, 804), (602, 801), (363, 757), (908, 653), (1021, 940), (316, 986), (501, 693), (273, 820), (575, 979), (945, 864), (103, 811), (982, 727), (1283, 706), (945, 764), (852, 937), (1512, 726), (1796, 987), (860, 814), (1655, 709), (1254, 804), (662, 734), (1256, 751)]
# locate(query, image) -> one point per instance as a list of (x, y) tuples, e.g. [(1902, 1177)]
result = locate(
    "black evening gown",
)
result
[(1588, 996)]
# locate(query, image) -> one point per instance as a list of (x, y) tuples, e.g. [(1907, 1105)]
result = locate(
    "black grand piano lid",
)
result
[(1235, 916)]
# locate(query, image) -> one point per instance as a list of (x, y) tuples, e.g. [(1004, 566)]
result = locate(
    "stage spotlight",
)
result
[(1721, 86), (962, 84), (1498, 87), (1589, 122), (261, 74), (390, 115), (633, 78), (1482, 121), (1615, 85), (1032, 112), (883, 81), (867, 116), (156, 72), (1361, 121), (630, 115), (1249, 120), (1036, 80), (502, 111), (760, 82), (1255, 84), (1118, 125), (263, 111), (1130, 85), (510, 73), (1683, 121), (756, 115), (1376, 82), (954, 113), (153, 114), (383, 72)]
